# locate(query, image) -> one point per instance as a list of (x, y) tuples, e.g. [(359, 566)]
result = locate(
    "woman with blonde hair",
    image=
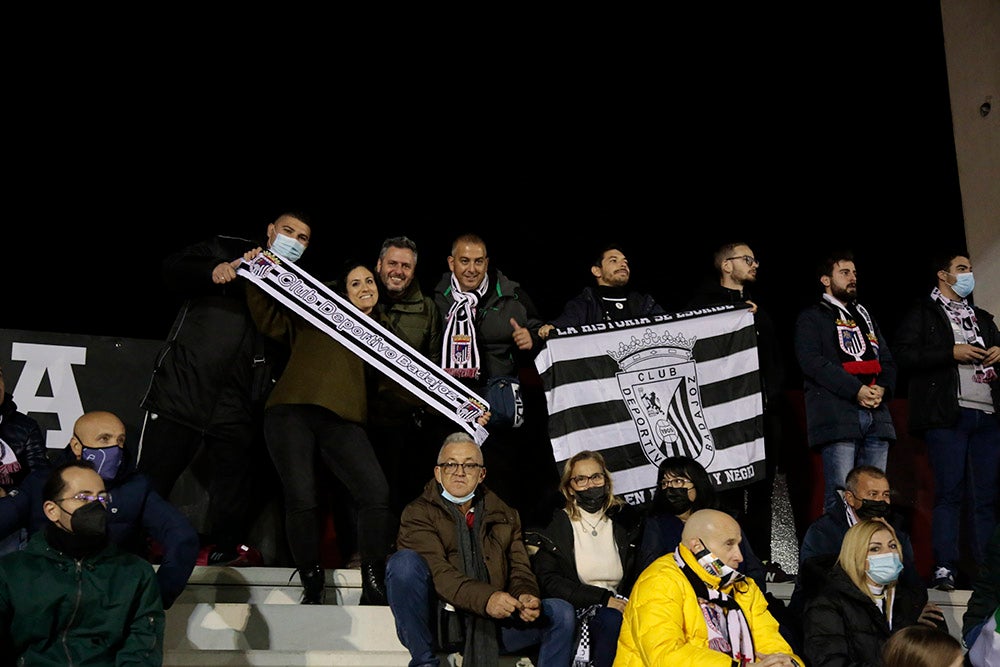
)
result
[(863, 602), (921, 646), (586, 555)]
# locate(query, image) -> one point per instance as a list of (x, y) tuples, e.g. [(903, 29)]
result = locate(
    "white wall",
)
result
[(972, 52)]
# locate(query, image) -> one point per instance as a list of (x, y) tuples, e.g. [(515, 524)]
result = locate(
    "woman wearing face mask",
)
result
[(586, 555), (684, 488), (863, 602)]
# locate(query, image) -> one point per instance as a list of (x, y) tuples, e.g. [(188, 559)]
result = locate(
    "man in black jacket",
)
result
[(951, 351), (210, 382)]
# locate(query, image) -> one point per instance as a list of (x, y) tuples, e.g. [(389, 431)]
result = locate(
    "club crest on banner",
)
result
[(659, 386)]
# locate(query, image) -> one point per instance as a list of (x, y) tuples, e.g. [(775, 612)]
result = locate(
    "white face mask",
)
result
[(287, 247)]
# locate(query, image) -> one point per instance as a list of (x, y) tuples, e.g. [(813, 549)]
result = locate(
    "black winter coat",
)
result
[(844, 628), (206, 376), (554, 563), (923, 348), (23, 435)]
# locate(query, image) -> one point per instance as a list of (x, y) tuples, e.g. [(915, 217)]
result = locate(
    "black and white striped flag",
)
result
[(679, 384)]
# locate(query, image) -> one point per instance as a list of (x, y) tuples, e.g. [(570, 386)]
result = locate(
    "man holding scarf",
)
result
[(951, 350), (692, 606), (490, 330), (460, 544), (848, 378)]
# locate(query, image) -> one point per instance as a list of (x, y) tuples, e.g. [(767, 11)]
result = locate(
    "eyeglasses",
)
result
[(676, 483), (103, 498), (597, 479), (751, 261), (451, 467)]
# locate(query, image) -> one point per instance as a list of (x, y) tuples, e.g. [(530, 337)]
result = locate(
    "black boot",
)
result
[(373, 582), (313, 585)]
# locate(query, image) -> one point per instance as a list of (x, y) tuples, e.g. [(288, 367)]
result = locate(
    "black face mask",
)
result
[(90, 531), (592, 499), (873, 509), (673, 501)]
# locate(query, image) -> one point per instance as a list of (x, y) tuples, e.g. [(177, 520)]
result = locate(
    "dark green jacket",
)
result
[(102, 610), (415, 319)]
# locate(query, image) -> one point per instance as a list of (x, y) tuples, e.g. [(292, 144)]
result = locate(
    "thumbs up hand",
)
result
[(521, 336)]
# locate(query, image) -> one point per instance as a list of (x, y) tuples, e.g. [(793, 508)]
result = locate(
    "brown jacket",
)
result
[(428, 528)]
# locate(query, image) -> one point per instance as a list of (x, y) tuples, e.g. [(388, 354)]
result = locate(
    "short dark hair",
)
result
[(398, 242), (472, 239), (55, 484), (851, 481), (825, 266), (599, 258), (685, 466), (941, 261)]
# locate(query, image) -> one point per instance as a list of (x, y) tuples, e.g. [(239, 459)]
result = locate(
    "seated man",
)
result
[(461, 539), (136, 512), (866, 496), (692, 607), (71, 597)]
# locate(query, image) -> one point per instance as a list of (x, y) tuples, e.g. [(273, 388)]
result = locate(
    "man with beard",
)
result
[(848, 378), (405, 434), (608, 301), (72, 583)]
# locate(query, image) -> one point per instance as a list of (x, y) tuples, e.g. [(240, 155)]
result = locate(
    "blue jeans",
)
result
[(411, 598), (839, 458), (964, 458), (605, 627)]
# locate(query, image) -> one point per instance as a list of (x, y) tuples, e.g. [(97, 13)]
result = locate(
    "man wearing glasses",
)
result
[(137, 514), (461, 539), (736, 267), (73, 597)]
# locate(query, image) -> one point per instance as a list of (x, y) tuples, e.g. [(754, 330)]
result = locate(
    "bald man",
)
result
[(667, 616), (136, 513)]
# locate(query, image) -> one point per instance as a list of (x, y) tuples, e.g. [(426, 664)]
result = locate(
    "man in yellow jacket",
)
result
[(693, 607)]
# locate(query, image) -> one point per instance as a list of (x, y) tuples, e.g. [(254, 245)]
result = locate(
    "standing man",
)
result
[(490, 330), (210, 382), (399, 425), (460, 545), (737, 265), (609, 300), (71, 596), (848, 378), (136, 513), (951, 351)]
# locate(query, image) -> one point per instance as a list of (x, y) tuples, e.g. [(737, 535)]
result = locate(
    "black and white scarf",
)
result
[(583, 618), (337, 317), (856, 340), (964, 317), (728, 631), (8, 462), (460, 354)]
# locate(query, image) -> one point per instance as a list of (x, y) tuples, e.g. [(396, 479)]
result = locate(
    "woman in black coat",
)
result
[(846, 624), (586, 555)]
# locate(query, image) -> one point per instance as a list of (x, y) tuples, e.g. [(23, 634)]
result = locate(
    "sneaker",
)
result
[(773, 574), (944, 579), (247, 556)]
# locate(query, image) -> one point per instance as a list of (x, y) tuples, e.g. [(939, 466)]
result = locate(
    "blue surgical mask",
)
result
[(287, 247), (106, 460), (964, 284), (455, 499), (884, 568)]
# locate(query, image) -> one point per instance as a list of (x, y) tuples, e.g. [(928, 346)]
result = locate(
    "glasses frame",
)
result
[(451, 467), (670, 483), (589, 480), (103, 498), (751, 261)]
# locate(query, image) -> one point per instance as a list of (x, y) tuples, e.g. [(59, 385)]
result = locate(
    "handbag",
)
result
[(503, 393)]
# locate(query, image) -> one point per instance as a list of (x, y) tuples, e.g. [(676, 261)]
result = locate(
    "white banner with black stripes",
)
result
[(363, 336), (678, 384)]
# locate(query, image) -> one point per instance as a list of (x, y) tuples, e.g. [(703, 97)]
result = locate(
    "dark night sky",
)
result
[(817, 130)]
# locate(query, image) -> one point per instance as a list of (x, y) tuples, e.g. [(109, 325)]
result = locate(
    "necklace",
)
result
[(593, 527)]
